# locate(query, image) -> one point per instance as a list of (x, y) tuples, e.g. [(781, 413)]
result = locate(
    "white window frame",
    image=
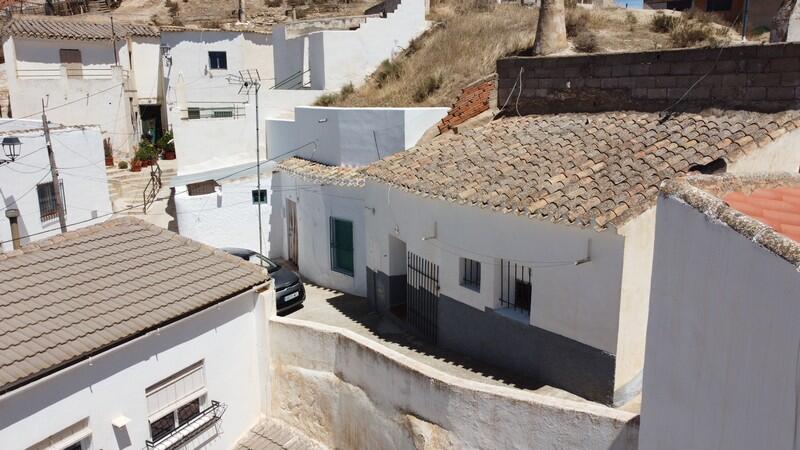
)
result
[(200, 393)]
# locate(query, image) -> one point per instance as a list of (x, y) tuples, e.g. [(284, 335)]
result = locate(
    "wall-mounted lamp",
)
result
[(12, 147), (435, 233), (322, 120)]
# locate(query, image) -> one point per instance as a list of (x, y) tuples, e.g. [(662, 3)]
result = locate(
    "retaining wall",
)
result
[(752, 77), (350, 392)]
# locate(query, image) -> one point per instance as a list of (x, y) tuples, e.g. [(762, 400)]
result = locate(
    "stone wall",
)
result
[(752, 77), (347, 391), (473, 100)]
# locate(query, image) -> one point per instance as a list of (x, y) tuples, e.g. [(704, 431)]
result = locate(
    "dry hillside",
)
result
[(468, 37)]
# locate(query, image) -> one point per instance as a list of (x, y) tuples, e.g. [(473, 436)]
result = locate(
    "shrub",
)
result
[(429, 85), (662, 23), (122, 165), (577, 21), (387, 71), (165, 142), (586, 42), (687, 33), (347, 90), (327, 99), (146, 152)]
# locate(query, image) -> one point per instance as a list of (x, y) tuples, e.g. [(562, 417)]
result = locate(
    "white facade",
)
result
[(81, 163), (102, 91), (229, 339), (338, 57), (316, 205), (228, 217), (349, 136), (722, 339)]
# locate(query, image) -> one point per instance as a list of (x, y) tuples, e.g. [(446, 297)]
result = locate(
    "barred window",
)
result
[(47, 200), (471, 274), (259, 196)]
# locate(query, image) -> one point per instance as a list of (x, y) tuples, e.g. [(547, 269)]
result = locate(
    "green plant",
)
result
[(146, 152), (327, 99), (122, 165), (662, 23), (577, 21), (429, 85), (347, 90), (688, 33), (586, 42), (387, 71), (165, 142)]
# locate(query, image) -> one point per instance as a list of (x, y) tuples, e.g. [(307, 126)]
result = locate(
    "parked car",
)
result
[(289, 290)]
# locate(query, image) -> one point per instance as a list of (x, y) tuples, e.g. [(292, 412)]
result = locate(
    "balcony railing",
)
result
[(191, 429), (215, 111)]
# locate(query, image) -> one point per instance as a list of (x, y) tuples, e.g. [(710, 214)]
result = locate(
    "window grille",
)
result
[(471, 274), (218, 60), (516, 287), (259, 196), (48, 208)]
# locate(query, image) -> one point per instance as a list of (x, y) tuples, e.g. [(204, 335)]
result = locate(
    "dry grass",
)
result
[(436, 67)]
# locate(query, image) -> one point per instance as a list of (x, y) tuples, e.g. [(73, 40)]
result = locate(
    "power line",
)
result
[(16, 119)]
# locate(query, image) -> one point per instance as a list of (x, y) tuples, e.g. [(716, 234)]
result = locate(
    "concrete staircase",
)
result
[(126, 188), (98, 6)]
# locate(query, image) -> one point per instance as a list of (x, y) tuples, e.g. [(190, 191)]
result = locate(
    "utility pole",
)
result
[(242, 14), (54, 172), (746, 20), (250, 80), (114, 42)]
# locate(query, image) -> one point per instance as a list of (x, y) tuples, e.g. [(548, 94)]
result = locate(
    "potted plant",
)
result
[(146, 153), (136, 165), (109, 154), (167, 145)]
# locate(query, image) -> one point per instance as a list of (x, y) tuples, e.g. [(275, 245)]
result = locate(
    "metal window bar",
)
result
[(422, 296), (515, 286), (48, 208), (471, 274), (188, 431), (213, 112)]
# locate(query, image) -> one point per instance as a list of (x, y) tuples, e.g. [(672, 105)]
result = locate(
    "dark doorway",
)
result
[(151, 121), (422, 297)]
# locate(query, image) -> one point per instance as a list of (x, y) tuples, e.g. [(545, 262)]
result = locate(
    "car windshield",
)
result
[(255, 258)]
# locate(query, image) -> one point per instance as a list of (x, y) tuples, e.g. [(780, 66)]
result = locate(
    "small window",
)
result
[(471, 274), (75, 437), (218, 60), (174, 402), (48, 208), (202, 188), (223, 113), (193, 113), (259, 196), (342, 246), (73, 62)]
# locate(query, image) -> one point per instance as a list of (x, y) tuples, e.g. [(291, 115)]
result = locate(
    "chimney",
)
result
[(12, 214)]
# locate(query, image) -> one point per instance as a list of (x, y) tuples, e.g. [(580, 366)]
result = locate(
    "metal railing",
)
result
[(153, 186), (189, 430), (515, 286), (220, 111)]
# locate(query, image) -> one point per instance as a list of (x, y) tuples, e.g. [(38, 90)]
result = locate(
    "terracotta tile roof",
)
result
[(82, 292), (584, 169), (322, 173), (764, 208), (271, 434), (46, 27), (776, 207)]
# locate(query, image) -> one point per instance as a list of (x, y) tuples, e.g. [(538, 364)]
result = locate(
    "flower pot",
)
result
[(136, 166), (109, 161), (169, 155)]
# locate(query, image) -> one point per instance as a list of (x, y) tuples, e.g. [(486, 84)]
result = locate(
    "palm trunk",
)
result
[(551, 33)]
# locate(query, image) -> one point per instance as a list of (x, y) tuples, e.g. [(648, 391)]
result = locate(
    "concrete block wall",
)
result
[(474, 100), (753, 77)]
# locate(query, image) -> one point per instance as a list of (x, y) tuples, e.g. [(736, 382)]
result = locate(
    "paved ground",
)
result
[(273, 434), (354, 313)]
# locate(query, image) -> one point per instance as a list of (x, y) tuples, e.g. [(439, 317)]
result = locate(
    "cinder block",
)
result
[(780, 93), (665, 82), (784, 65), (755, 93), (790, 79), (657, 93)]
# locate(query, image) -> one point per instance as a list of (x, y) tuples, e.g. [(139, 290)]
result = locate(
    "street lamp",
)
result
[(11, 148)]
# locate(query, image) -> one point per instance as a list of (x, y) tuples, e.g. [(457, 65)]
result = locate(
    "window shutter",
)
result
[(171, 393)]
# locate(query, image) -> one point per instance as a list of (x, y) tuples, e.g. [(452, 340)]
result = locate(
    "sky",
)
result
[(631, 3)]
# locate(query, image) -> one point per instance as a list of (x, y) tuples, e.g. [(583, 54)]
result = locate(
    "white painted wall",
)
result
[(316, 204), (579, 302), (80, 159), (35, 73), (339, 57), (349, 136), (231, 341), (367, 396), (227, 218), (722, 358), (145, 61)]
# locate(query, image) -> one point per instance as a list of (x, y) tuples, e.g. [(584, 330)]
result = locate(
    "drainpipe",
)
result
[(12, 215)]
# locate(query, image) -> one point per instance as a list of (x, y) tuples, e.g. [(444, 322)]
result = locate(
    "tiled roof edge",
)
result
[(358, 180), (700, 192)]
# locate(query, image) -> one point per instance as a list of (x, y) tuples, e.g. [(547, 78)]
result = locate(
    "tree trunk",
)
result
[(551, 33)]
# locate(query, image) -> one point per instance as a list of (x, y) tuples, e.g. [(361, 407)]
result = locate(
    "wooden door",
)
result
[(291, 231)]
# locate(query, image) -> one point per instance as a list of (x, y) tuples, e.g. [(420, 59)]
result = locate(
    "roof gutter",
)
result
[(31, 381)]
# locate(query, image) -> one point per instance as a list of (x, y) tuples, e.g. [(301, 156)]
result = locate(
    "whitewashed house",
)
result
[(722, 355), (85, 72), (536, 234), (157, 343), (26, 183), (337, 51)]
